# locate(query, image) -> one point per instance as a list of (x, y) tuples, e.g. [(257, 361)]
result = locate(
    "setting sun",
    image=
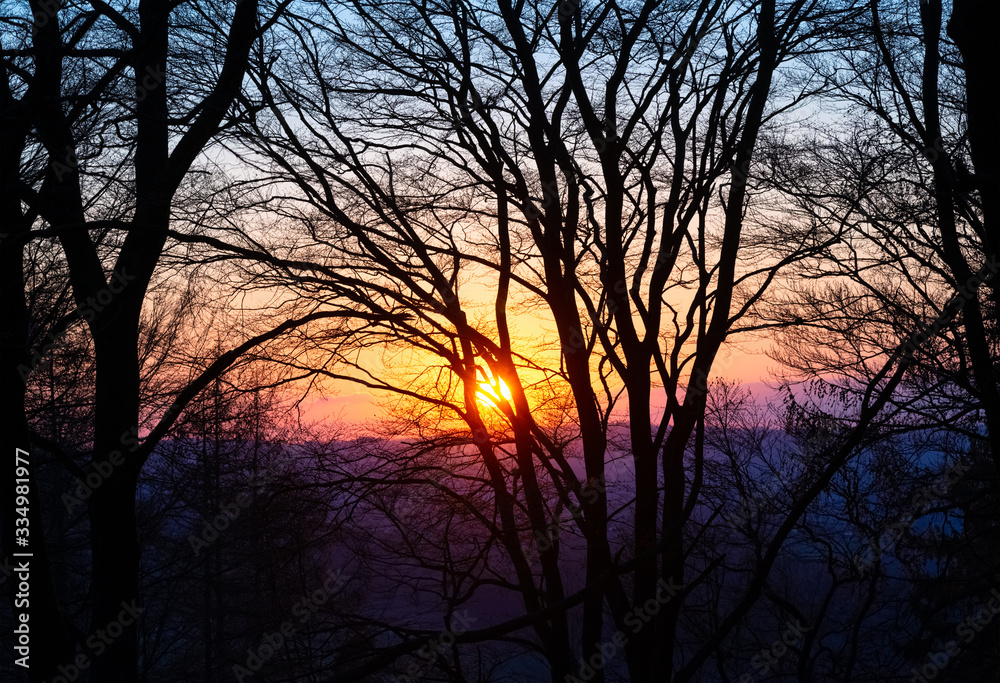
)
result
[(490, 393), (740, 261)]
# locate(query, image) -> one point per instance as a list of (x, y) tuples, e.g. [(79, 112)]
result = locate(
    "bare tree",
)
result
[(900, 173), (106, 109), (593, 163), (533, 230), (907, 170)]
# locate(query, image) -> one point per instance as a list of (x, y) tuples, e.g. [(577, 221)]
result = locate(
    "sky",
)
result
[(348, 403)]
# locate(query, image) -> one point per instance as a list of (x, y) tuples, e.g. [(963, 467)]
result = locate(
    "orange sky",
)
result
[(355, 405)]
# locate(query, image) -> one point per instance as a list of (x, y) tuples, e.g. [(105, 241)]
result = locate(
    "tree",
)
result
[(596, 163), (909, 171), (534, 230), (900, 172), (242, 527), (106, 110)]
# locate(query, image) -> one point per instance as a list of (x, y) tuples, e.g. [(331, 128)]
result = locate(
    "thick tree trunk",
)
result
[(159, 166), (115, 585), (980, 357), (711, 339), (51, 643), (973, 26), (113, 521)]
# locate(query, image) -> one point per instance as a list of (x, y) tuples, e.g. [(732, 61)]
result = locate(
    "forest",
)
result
[(526, 341)]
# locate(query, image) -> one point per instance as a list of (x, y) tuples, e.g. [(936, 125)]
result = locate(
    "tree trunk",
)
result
[(51, 643), (973, 26), (113, 521)]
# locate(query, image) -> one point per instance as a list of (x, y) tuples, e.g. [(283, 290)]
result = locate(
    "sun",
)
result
[(490, 393)]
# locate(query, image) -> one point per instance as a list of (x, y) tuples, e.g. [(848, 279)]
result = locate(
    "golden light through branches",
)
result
[(492, 392)]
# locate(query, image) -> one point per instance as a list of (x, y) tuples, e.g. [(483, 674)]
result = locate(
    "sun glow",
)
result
[(491, 393)]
